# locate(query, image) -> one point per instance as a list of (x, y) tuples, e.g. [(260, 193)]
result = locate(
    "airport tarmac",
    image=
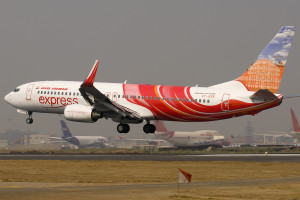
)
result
[(158, 157)]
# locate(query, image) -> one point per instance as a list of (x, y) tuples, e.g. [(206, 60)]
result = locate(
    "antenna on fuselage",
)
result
[(125, 81)]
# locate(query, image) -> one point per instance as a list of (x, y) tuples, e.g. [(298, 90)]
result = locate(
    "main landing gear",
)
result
[(123, 128), (149, 128), (29, 120)]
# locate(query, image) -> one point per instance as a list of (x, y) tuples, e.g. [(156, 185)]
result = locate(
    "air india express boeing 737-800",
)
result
[(88, 101)]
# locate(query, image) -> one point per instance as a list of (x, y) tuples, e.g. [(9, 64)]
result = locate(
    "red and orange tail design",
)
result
[(266, 72), (263, 74)]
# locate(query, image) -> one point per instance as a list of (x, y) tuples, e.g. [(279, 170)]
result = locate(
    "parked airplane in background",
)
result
[(81, 141), (149, 141), (253, 92), (197, 138)]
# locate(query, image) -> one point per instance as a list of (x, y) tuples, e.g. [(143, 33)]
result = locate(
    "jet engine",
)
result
[(81, 113)]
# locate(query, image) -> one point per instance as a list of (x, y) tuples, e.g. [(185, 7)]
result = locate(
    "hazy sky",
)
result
[(157, 42)]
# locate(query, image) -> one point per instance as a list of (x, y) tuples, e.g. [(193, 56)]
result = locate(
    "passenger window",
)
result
[(123, 96), (74, 94), (142, 97), (146, 97), (48, 92), (175, 99), (208, 101), (154, 98), (187, 100), (70, 93), (150, 98), (167, 98), (179, 99), (38, 92), (158, 98), (138, 97), (203, 100), (58, 93), (134, 97), (195, 100), (172, 99), (127, 96), (78, 94), (199, 100), (130, 97), (119, 96), (114, 96), (107, 95), (191, 100), (183, 99)]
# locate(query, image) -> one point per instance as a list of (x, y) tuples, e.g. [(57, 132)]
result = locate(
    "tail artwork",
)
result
[(65, 129), (295, 122), (266, 72)]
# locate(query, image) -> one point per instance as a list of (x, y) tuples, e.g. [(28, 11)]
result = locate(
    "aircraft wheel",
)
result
[(152, 128), (123, 128), (147, 128), (29, 120), (120, 128), (127, 128)]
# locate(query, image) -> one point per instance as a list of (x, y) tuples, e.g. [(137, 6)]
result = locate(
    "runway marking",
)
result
[(13, 186)]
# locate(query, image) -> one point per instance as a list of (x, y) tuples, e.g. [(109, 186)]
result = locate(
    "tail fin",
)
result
[(65, 129), (295, 122), (266, 72), (160, 127)]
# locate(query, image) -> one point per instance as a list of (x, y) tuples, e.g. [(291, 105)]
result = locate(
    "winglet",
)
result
[(89, 81)]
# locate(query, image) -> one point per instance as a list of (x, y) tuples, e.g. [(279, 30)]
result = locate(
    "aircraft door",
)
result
[(29, 91), (225, 102)]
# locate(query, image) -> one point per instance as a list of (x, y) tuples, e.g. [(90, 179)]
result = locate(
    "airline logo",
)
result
[(56, 102)]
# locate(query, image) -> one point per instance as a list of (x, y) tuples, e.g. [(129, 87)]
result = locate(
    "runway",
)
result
[(158, 157)]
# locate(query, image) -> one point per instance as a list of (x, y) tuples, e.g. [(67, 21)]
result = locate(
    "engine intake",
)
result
[(81, 113)]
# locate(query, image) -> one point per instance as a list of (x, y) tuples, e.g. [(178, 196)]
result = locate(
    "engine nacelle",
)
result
[(81, 113)]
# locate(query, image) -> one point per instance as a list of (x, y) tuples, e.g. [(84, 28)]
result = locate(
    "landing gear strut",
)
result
[(149, 128), (29, 120), (123, 128)]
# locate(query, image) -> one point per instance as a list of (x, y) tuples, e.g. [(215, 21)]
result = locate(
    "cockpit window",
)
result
[(17, 90)]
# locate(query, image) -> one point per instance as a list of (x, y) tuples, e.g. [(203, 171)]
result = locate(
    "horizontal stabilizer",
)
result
[(263, 95)]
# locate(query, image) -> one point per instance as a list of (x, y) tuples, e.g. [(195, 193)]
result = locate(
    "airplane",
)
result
[(81, 141), (196, 138), (87, 101), (149, 141)]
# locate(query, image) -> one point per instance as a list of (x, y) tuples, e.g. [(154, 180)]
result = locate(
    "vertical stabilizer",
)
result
[(295, 122), (65, 129), (160, 127), (266, 72)]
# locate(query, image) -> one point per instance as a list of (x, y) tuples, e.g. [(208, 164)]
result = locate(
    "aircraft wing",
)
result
[(101, 102)]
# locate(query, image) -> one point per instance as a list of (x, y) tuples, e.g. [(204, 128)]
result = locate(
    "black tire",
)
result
[(120, 128), (126, 128), (146, 128), (152, 128), (29, 121)]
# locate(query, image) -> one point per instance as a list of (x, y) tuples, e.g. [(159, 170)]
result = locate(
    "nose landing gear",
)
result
[(29, 120)]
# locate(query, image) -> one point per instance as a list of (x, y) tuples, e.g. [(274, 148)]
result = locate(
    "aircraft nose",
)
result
[(7, 98)]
